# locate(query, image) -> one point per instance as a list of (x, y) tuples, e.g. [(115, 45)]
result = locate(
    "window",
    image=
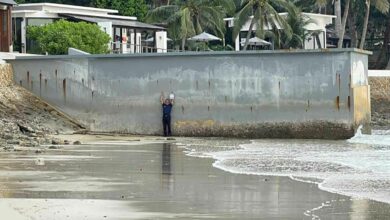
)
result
[(17, 33)]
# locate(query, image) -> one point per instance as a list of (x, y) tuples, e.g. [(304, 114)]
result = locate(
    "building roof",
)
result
[(319, 21), (7, 2), (114, 21), (54, 6)]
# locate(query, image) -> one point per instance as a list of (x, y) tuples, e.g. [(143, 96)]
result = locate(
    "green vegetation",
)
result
[(264, 14), (361, 23), (57, 37), (188, 18), (297, 22), (137, 8)]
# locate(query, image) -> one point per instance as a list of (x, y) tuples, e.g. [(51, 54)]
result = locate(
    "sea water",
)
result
[(359, 167)]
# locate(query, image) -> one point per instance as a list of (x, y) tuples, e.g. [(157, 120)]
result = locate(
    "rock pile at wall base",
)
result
[(285, 130), (24, 119), (6, 75), (380, 102)]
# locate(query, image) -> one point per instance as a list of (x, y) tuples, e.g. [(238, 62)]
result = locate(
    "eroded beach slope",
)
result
[(25, 120)]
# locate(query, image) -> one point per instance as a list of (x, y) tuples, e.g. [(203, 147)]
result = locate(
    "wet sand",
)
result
[(149, 180)]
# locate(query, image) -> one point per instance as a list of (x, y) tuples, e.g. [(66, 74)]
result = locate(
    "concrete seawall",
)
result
[(280, 94)]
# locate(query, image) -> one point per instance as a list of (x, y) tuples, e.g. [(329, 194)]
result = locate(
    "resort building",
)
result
[(5, 25), (127, 34), (317, 40)]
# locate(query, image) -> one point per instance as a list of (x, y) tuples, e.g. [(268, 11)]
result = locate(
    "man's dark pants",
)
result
[(167, 125)]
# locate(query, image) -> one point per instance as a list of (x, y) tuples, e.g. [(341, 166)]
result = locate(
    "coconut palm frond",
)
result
[(161, 14), (381, 5)]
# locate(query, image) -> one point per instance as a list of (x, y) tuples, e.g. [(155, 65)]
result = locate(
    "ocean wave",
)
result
[(359, 167)]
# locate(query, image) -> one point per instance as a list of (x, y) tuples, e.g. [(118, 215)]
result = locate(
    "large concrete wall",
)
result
[(280, 94)]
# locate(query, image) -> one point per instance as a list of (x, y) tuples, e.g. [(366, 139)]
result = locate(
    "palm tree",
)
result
[(297, 21), (340, 21), (261, 13), (188, 18), (380, 5), (343, 23)]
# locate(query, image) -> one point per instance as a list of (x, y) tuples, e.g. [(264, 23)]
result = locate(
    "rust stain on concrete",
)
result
[(349, 103), (28, 77), (64, 88), (338, 103)]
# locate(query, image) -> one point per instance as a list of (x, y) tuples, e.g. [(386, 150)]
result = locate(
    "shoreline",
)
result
[(142, 140), (223, 188), (303, 179), (88, 139)]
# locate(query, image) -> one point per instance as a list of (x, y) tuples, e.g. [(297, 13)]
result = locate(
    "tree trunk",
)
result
[(183, 44), (343, 23), (248, 36), (386, 41), (388, 65), (337, 12), (352, 28), (365, 25)]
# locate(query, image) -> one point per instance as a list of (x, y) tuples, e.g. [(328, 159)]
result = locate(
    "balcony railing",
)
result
[(127, 48)]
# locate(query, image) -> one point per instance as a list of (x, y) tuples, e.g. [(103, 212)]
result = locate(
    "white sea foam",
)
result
[(359, 167)]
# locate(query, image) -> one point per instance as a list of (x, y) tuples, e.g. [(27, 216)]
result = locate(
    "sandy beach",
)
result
[(147, 178)]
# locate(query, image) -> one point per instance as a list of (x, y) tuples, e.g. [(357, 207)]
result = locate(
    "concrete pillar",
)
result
[(161, 41), (23, 37), (124, 41), (324, 37), (138, 43), (132, 42), (107, 28), (238, 42)]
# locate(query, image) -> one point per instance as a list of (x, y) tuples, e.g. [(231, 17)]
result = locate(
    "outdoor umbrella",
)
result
[(204, 37), (258, 42), (149, 40)]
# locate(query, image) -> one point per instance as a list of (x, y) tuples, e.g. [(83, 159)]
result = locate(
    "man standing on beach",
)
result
[(167, 105)]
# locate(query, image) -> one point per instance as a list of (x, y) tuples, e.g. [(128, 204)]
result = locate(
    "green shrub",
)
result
[(57, 37)]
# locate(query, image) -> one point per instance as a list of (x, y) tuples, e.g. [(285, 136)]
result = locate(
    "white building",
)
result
[(127, 33), (320, 21)]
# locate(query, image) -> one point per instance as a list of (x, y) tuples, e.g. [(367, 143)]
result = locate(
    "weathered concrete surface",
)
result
[(284, 94)]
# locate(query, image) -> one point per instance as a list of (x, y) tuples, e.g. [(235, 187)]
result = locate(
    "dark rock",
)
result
[(16, 142), (9, 148), (66, 142), (7, 136), (32, 135), (54, 147), (55, 142), (77, 143), (38, 151), (25, 129), (135, 140)]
